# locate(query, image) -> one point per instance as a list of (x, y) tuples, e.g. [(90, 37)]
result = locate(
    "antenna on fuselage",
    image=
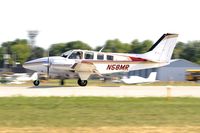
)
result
[(101, 49)]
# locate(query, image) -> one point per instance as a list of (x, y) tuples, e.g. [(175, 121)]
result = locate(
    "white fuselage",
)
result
[(104, 63), (85, 62)]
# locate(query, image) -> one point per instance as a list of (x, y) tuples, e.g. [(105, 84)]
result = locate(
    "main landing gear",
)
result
[(82, 82), (62, 82), (36, 82)]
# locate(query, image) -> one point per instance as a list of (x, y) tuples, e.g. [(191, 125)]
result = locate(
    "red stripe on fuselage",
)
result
[(137, 59)]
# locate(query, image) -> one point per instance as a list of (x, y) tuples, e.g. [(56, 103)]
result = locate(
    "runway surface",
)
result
[(122, 91)]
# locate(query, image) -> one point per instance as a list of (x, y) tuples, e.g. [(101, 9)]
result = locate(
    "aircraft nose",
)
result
[(30, 64), (25, 65), (34, 64)]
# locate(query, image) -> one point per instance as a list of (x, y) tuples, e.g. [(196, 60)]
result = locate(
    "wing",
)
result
[(85, 69)]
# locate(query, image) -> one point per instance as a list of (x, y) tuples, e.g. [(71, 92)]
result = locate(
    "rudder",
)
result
[(162, 50)]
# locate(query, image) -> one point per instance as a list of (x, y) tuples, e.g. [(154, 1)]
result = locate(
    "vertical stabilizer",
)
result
[(162, 50)]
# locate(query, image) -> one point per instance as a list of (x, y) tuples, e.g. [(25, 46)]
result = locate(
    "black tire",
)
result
[(36, 82), (82, 82), (62, 82)]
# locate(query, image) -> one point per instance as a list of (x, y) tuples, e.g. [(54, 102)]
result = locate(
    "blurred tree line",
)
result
[(19, 50)]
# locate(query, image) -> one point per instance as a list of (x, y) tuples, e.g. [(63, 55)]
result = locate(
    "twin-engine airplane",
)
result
[(86, 63)]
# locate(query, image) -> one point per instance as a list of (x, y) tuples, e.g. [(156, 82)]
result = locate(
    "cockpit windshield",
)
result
[(65, 55)]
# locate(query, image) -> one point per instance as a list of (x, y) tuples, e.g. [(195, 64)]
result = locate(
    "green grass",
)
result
[(96, 111)]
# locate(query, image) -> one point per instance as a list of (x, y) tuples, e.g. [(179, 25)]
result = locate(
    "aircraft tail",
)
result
[(152, 76), (162, 50)]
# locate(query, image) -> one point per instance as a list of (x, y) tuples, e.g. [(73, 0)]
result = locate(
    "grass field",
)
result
[(92, 114)]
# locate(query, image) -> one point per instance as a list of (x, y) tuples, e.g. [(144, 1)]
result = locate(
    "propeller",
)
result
[(48, 65)]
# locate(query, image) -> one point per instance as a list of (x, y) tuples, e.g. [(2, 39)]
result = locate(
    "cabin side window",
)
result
[(89, 55), (76, 55), (100, 57), (109, 57)]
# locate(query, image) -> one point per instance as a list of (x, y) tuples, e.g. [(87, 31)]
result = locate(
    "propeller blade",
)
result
[(48, 65)]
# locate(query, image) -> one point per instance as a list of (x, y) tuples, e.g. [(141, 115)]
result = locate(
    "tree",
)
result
[(146, 45), (180, 46), (140, 47), (76, 45), (56, 49), (116, 46), (21, 51), (191, 52), (59, 48), (18, 49), (1, 56), (36, 52)]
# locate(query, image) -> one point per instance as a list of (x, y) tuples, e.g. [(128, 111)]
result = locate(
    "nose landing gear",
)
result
[(82, 82), (36, 82)]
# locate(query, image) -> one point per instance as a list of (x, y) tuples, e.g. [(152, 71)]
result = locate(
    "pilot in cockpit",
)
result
[(78, 55)]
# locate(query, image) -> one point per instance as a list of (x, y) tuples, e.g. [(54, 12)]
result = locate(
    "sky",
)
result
[(95, 21)]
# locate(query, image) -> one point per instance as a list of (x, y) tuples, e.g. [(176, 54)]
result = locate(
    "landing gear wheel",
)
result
[(36, 82), (82, 82), (62, 82)]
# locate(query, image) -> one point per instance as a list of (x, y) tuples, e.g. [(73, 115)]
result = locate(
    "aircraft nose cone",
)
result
[(30, 64), (25, 65), (34, 64)]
